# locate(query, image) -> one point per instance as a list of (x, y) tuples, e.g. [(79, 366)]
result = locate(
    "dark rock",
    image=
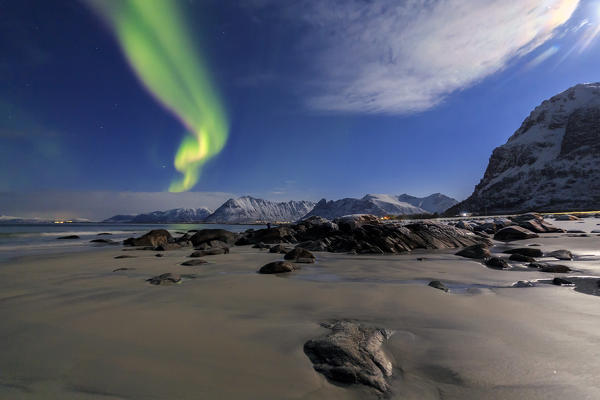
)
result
[(555, 269), (191, 263), (496, 263), (210, 252), (521, 258), (208, 235), (511, 233), (526, 251), (125, 256), (164, 279), (154, 238), (352, 354), (277, 267), (477, 251), (438, 285), (280, 248), (68, 237), (103, 241), (300, 255), (561, 254), (561, 281)]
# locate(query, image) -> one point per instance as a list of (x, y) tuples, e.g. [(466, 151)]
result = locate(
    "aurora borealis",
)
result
[(278, 99), (155, 38)]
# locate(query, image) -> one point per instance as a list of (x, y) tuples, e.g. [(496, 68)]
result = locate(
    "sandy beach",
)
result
[(74, 329)]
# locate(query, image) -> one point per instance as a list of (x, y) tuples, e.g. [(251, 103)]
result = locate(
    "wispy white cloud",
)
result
[(390, 56)]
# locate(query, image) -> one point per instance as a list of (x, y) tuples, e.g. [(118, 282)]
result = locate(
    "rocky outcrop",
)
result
[(364, 234), (551, 162), (351, 353)]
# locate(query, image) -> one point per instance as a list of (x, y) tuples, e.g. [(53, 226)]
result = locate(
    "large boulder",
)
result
[(351, 354), (561, 254), (208, 235), (511, 233), (526, 251), (300, 255), (165, 279), (477, 251), (154, 238), (277, 267)]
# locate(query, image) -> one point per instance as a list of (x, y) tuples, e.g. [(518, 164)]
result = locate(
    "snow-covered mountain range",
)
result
[(174, 216), (381, 205), (552, 162), (249, 210)]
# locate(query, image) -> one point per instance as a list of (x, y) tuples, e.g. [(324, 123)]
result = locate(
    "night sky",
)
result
[(321, 98)]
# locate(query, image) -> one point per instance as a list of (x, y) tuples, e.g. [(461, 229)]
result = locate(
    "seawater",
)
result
[(17, 240)]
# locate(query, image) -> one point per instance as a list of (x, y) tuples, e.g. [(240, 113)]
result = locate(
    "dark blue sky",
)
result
[(324, 99)]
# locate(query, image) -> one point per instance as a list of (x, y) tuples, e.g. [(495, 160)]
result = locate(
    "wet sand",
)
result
[(73, 329)]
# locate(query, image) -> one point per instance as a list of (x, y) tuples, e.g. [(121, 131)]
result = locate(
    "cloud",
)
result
[(389, 56), (102, 204)]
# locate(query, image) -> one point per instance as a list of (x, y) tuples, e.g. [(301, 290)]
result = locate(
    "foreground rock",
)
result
[(154, 238), (511, 233), (477, 251), (165, 279), (352, 354), (191, 263), (561, 254), (438, 285), (277, 267), (363, 234), (300, 255), (68, 237), (496, 263)]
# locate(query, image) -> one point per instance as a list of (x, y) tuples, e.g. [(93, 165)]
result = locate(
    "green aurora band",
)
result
[(154, 38)]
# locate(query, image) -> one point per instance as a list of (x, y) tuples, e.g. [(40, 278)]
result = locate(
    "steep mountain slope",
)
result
[(435, 203), (552, 162), (249, 209), (176, 215), (376, 204)]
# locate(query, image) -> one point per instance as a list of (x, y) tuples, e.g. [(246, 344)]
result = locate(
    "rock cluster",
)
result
[(363, 234)]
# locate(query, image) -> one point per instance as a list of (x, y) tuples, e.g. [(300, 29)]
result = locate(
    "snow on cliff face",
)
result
[(375, 204), (552, 162), (249, 209), (177, 215), (435, 203)]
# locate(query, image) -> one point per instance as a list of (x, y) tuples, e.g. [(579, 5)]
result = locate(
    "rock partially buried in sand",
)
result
[(300, 255), (523, 284), (477, 251), (521, 258), (191, 263), (561, 254), (526, 251), (352, 354), (277, 267), (561, 282), (511, 233), (68, 237), (164, 279), (438, 285), (496, 263)]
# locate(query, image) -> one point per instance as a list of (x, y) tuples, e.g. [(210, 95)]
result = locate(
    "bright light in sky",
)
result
[(154, 38)]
